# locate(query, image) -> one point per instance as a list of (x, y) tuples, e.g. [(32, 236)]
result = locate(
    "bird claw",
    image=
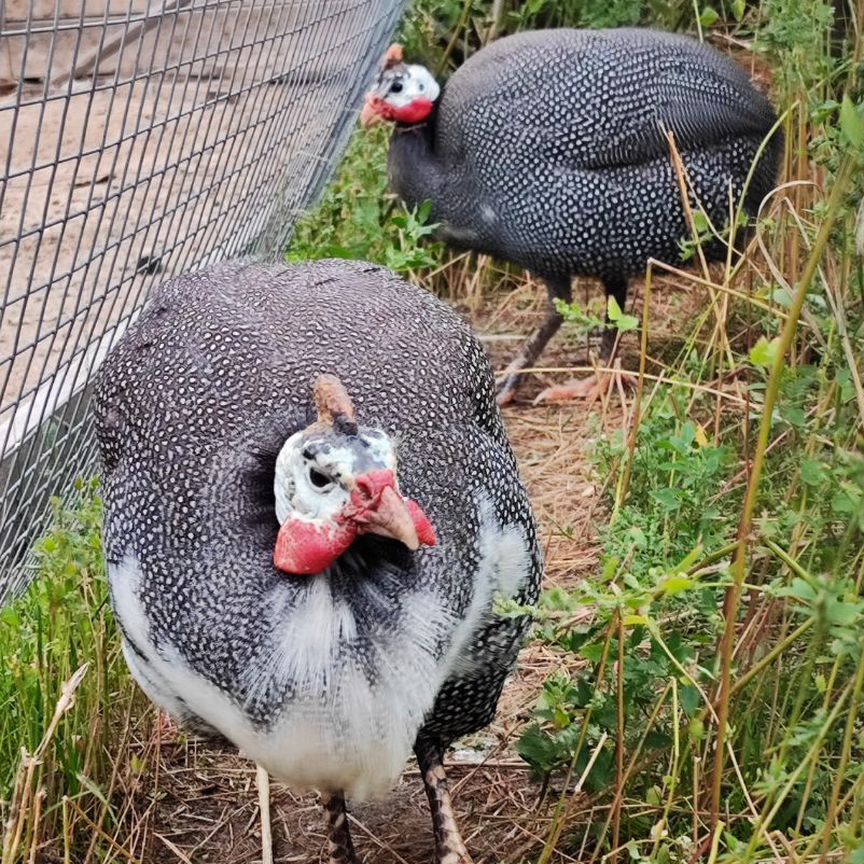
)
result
[(461, 857), (590, 389)]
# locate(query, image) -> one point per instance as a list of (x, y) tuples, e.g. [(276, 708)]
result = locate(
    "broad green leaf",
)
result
[(618, 318), (800, 589), (851, 122), (700, 220), (841, 614), (631, 581), (764, 353), (689, 698), (794, 416), (709, 17), (669, 499), (739, 7), (782, 297), (811, 472), (633, 851), (593, 652), (635, 621), (857, 857), (677, 584), (637, 535), (626, 323)]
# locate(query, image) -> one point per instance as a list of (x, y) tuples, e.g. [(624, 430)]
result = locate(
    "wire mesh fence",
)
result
[(140, 140)]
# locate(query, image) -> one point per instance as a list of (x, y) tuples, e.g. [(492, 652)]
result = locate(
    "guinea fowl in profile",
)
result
[(549, 149), (314, 578)]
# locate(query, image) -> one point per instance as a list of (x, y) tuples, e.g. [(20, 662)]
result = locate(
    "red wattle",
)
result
[(415, 112), (425, 531), (304, 548)]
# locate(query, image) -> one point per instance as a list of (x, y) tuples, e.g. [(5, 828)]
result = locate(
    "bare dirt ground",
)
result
[(204, 129), (196, 804)]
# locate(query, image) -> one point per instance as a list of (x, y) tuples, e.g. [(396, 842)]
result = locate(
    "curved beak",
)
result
[(377, 507), (306, 546)]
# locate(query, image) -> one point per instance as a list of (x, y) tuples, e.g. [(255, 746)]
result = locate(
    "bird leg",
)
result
[(338, 834), (449, 848), (595, 385), (533, 348), (615, 287)]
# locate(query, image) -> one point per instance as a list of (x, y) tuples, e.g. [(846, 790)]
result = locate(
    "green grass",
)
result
[(358, 219), (65, 697)]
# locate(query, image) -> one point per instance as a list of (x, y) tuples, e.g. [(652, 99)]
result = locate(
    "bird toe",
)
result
[(589, 389)]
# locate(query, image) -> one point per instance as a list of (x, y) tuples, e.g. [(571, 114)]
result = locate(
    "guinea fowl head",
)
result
[(336, 480), (404, 93)]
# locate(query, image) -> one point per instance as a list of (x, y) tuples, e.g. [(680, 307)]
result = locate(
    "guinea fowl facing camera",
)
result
[(549, 149), (303, 563)]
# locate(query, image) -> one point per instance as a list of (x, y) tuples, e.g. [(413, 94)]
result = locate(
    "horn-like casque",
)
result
[(333, 402), (393, 57)]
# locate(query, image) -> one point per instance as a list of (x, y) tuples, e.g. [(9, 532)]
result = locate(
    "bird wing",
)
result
[(576, 99)]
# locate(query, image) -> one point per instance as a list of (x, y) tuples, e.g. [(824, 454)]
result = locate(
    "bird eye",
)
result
[(421, 87), (396, 87), (318, 479)]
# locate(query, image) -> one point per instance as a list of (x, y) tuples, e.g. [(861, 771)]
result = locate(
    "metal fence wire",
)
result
[(138, 141)]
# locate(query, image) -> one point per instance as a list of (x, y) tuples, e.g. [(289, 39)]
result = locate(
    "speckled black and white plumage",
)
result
[(547, 148), (192, 408)]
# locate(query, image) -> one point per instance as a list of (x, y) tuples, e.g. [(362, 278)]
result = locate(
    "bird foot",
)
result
[(167, 729), (507, 390), (455, 857), (338, 859), (590, 389), (526, 358)]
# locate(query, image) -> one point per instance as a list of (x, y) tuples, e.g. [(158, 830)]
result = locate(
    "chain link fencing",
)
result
[(139, 140)]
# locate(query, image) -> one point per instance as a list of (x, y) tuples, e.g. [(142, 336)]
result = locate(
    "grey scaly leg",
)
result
[(449, 847), (616, 287), (338, 833), (533, 348)]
